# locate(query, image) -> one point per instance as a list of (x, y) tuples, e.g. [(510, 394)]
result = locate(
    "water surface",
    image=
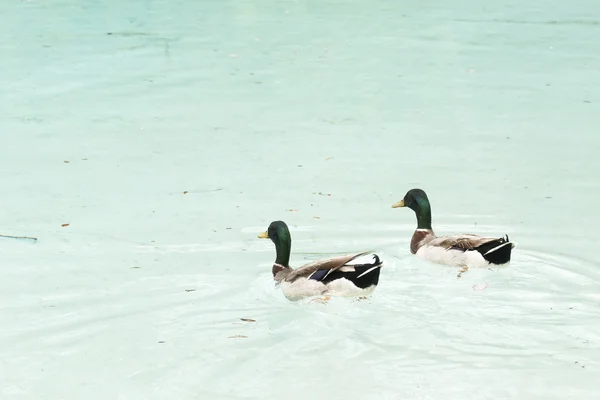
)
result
[(169, 134)]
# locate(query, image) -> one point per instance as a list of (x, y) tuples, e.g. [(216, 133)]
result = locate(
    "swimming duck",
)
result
[(465, 250), (349, 275)]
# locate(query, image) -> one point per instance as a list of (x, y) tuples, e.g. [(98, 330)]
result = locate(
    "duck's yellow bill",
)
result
[(264, 235), (398, 204)]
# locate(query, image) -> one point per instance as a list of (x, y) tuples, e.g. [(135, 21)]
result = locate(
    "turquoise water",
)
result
[(333, 110)]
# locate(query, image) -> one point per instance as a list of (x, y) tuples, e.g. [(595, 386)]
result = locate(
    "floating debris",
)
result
[(64, 225), (238, 337), (190, 290), (19, 237), (479, 287), (247, 319)]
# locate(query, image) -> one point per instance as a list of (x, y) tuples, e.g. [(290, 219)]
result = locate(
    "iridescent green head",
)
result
[(279, 234), (417, 200)]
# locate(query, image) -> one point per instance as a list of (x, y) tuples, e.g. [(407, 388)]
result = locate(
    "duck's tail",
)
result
[(497, 251), (363, 272)]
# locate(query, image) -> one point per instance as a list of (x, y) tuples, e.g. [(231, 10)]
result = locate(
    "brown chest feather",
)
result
[(419, 238), (278, 268)]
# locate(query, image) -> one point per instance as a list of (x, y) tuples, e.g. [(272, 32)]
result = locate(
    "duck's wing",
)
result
[(466, 242), (362, 272), (325, 267), (460, 242)]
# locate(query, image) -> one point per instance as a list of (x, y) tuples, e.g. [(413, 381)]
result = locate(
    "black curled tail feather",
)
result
[(377, 260), (496, 251)]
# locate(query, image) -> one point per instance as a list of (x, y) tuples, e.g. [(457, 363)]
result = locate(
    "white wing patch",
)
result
[(327, 274), (498, 247), (367, 271)]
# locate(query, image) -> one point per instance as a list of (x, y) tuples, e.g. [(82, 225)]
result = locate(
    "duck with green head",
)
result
[(350, 275), (464, 250)]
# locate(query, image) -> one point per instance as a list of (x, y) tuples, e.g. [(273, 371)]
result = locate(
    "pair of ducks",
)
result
[(358, 274)]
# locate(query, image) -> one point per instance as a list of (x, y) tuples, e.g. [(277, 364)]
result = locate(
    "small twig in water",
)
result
[(19, 237)]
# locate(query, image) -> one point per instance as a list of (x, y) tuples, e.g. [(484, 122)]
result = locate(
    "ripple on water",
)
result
[(421, 327), (535, 313)]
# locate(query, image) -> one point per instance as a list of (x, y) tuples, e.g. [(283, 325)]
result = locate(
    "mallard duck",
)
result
[(464, 250), (350, 275)]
